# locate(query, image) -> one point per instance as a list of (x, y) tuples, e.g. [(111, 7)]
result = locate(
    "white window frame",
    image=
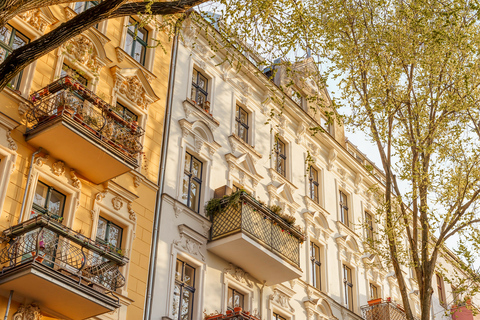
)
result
[(231, 282), (8, 158)]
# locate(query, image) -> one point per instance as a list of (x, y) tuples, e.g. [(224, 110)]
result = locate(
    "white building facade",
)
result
[(209, 266)]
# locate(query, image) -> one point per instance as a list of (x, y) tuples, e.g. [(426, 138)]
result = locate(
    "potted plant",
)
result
[(206, 106), (276, 209), (237, 309), (374, 301)]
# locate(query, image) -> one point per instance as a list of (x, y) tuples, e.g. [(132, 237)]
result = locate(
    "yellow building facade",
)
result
[(80, 145)]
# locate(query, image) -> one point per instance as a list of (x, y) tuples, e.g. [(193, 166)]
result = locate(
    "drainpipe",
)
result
[(8, 305), (161, 178), (28, 184)]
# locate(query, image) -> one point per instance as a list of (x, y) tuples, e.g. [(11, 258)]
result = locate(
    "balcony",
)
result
[(59, 269), (386, 310), (257, 240), (81, 129)]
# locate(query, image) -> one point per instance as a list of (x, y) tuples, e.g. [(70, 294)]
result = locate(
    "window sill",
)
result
[(191, 107), (123, 55), (237, 143)]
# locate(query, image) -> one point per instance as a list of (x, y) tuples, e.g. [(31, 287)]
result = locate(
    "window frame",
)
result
[(348, 287), (235, 291), (197, 88), (45, 210), (85, 6), (135, 39), (282, 155), (109, 222), (196, 179), (16, 82), (344, 217), (314, 194), (123, 109), (316, 265), (277, 316), (183, 286), (369, 226), (240, 124), (441, 290), (371, 289)]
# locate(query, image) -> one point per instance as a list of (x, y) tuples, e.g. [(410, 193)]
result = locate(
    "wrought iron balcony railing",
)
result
[(386, 310), (45, 241), (261, 224), (68, 98)]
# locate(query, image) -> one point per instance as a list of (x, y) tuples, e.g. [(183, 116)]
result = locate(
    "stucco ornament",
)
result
[(83, 50), (133, 89), (58, 168), (28, 312), (35, 19), (239, 275), (11, 143), (117, 203)]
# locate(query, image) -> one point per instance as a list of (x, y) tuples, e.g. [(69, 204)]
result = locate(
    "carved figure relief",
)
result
[(133, 89), (28, 312), (35, 19), (238, 274), (117, 203), (58, 168), (83, 50), (75, 181), (281, 299), (11, 143)]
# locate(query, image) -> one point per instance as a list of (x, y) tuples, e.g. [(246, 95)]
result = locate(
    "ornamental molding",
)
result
[(191, 241), (245, 166), (238, 274), (332, 158), (131, 214), (357, 182), (75, 181), (238, 145), (101, 195), (196, 129), (40, 161), (36, 19), (117, 203), (12, 145), (133, 85), (193, 111), (281, 299), (58, 168), (317, 225), (84, 53), (28, 312)]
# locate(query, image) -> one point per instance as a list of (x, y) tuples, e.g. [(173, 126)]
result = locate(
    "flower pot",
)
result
[(237, 309), (79, 117), (39, 259), (374, 301)]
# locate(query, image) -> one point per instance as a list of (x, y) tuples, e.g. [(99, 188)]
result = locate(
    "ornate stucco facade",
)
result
[(223, 137), (86, 253)]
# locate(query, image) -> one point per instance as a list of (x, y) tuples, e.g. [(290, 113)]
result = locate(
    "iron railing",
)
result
[(232, 315), (386, 310), (69, 99), (263, 225), (45, 241)]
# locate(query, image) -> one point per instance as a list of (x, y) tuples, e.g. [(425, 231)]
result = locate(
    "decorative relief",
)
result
[(75, 181), (35, 19), (120, 54), (189, 244), (178, 209), (101, 195), (131, 214), (357, 182), (40, 161), (281, 299), (58, 168), (83, 50), (69, 13), (137, 181), (133, 89), (28, 312), (117, 203), (300, 133), (238, 274), (11, 143), (332, 157), (226, 67)]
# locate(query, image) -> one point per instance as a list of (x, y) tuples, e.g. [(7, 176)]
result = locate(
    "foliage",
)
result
[(276, 209), (217, 205)]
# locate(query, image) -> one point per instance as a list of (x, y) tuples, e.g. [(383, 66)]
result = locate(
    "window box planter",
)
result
[(374, 301)]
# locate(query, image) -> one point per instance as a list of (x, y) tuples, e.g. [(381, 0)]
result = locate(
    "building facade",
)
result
[(222, 139), (80, 142)]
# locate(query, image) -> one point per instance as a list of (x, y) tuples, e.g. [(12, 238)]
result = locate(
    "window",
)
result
[(316, 266), (348, 287), (441, 290), (235, 299), (344, 208), (11, 39), (373, 292), (48, 201), (136, 42), (192, 182), (281, 158), (199, 88), (314, 184), (241, 119), (276, 316), (125, 113), (74, 74), (369, 225), (82, 6), (109, 233), (184, 291)]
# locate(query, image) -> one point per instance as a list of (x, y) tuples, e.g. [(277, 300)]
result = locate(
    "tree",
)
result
[(409, 72), (18, 59)]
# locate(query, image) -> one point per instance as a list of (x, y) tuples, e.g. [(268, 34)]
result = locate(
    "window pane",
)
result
[(238, 300), (201, 98), (188, 159), (230, 298), (186, 308), (186, 180), (142, 34), (242, 133), (56, 203), (243, 116), (194, 193), (194, 94), (194, 76), (317, 276), (115, 235), (40, 197), (129, 44), (176, 301), (202, 82), (189, 276), (196, 168), (139, 53), (102, 229), (5, 33)]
